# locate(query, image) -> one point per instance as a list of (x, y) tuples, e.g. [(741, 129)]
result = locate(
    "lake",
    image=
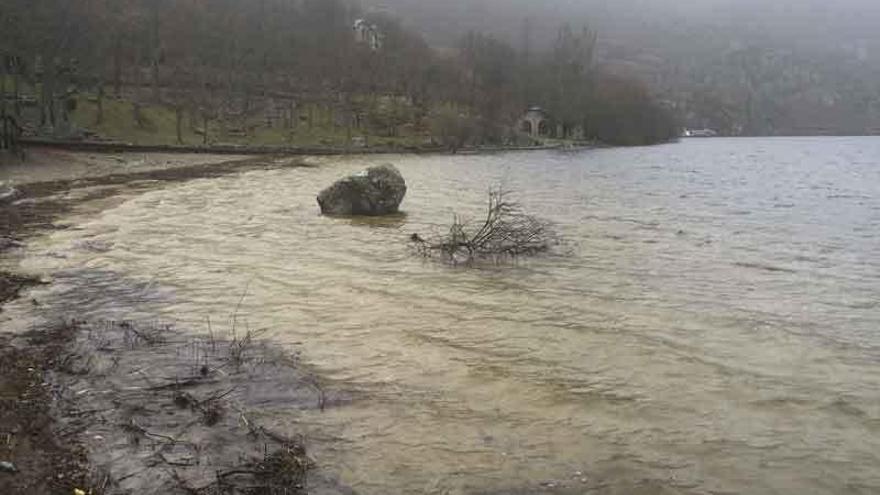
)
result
[(711, 325)]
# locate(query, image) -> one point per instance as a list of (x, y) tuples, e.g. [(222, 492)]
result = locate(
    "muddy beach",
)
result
[(125, 407)]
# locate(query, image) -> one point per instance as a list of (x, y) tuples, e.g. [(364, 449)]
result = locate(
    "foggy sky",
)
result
[(799, 21)]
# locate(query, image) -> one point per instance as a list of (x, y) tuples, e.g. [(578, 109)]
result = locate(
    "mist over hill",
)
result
[(810, 23), (740, 66)]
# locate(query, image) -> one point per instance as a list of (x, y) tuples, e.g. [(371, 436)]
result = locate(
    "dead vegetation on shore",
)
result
[(150, 410), (181, 408)]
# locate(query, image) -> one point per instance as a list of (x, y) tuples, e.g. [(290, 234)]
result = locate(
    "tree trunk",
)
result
[(43, 113), (64, 108), (136, 114), (117, 67), (99, 117), (3, 89), (178, 110), (136, 104), (156, 97), (347, 115), (205, 129), (349, 118), (192, 119), (16, 105), (294, 115), (47, 97), (155, 52), (53, 119)]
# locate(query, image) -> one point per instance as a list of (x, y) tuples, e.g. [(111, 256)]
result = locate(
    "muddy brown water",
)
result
[(713, 329)]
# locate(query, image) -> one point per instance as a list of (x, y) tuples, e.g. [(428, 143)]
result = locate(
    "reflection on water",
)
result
[(715, 329)]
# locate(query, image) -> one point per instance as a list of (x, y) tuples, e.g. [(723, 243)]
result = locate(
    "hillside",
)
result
[(299, 73), (743, 67)]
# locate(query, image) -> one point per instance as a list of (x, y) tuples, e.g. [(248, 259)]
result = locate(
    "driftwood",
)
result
[(506, 231)]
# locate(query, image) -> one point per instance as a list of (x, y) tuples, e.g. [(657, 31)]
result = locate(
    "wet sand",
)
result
[(45, 459), (50, 183)]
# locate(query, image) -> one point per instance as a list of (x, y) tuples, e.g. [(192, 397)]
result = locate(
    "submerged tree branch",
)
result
[(506, 231)]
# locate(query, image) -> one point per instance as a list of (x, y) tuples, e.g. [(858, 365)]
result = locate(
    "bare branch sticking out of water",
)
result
[(238, 347), (505, 232)]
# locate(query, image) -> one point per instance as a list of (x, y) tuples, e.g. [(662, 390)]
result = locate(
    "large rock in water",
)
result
[(373, 192)]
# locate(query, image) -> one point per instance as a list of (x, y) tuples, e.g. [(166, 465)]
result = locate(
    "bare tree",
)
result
[(155, 49), (454, 129)]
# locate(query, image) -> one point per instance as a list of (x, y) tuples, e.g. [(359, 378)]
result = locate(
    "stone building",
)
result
[(535, 122), (368, 34)]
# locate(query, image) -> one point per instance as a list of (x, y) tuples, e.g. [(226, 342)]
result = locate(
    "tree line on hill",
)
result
[(740, 67), (233, 60)]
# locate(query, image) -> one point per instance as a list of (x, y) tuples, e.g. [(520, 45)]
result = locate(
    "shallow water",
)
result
[(713, 329)]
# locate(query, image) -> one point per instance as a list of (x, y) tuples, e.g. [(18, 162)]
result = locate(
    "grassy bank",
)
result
[(158, 125), (382, 123)]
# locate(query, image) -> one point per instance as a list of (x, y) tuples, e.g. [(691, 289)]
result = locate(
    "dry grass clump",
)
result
[(210, 408), (173, 409), (281, 472), (285, 471)]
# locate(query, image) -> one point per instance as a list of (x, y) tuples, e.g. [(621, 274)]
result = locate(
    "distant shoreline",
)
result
[(119, 147)]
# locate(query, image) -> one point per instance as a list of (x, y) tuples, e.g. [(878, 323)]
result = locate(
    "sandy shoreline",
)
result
[(51, 183), (80, 395)]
